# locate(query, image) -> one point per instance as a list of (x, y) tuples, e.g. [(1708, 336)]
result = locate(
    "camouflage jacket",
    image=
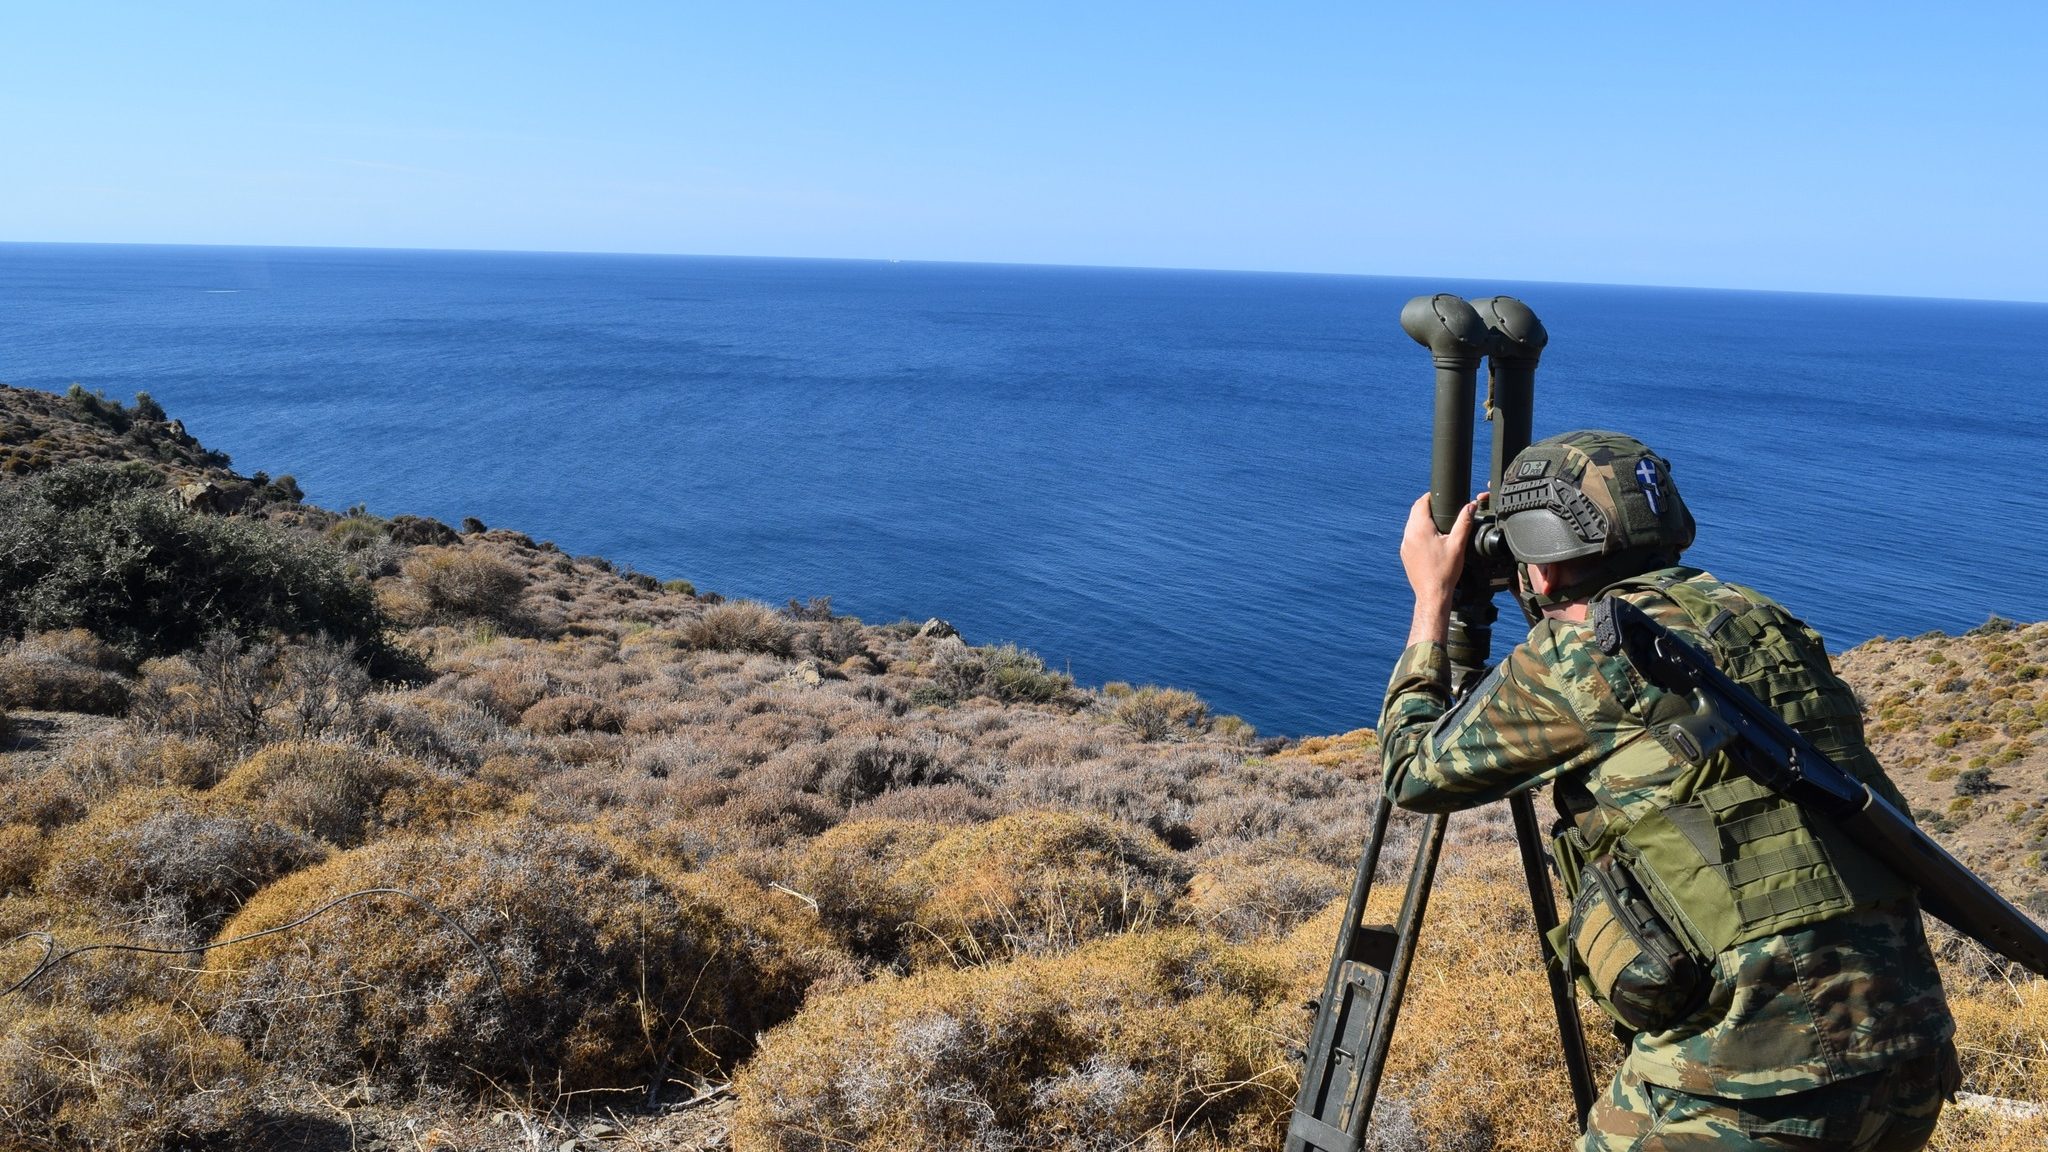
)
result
[(1835, 999)]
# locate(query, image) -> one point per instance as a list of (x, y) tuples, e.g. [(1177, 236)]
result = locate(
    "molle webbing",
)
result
[(1773, 654), (1737, 861)]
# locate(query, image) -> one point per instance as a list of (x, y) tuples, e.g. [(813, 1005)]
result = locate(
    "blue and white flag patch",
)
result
[(1653, 488)]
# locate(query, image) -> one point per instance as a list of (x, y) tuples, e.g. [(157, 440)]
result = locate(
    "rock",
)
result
[(420, 530), (806, 675), (203, 496), (936, 629)]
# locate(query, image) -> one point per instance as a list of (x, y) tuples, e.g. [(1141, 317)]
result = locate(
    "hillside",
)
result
[(623, 864)]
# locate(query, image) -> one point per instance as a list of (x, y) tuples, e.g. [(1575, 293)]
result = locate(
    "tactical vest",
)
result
[(1721, 858)]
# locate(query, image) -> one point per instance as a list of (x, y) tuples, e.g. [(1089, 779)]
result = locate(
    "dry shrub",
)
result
[(767, 817), (123, 757), (850, 871), (741, 626), (64, 671), (1155, 1036), (329, 790), (22, 849), (133, 1081), (168, 856), (457, 581), (854, 766), (951, 804), (561, 714), (1035, 882), (1244, 898), (47, 800), (510, 689), (610, 976), (102, 981), (1155, 713), (2002, 1033)]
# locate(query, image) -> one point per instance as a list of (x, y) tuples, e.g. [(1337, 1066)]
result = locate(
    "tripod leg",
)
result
[(1361, 998), (1564, 1000)]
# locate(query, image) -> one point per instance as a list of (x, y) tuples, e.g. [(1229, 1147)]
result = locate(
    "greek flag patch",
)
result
[(1652, 486)]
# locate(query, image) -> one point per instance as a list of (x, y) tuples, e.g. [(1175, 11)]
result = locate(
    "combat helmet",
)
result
[(1593, 494)]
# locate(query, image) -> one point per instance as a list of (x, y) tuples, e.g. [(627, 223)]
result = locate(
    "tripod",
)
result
[(1368, 975)]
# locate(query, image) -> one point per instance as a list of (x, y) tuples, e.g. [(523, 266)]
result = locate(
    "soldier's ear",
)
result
[(1543, 579)]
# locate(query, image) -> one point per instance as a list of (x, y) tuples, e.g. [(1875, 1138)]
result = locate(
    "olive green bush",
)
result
[(101, 547)]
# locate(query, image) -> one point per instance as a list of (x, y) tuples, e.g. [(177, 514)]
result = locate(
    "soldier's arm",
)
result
[(1514, 731)]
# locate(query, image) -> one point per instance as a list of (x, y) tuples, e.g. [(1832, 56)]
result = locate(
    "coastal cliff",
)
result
[(621, 863)]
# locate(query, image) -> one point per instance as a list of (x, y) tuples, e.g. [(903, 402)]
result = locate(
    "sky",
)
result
[(1880, 148)]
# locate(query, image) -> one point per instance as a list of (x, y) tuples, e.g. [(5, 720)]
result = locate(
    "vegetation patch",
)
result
[(101, 547), (1161, 1036), (588, 971), (1035, 882)]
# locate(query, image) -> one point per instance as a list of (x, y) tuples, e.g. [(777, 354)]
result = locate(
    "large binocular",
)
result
[(1460, 333)]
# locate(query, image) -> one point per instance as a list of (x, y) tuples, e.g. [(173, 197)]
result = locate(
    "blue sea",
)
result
[(1187, 478)]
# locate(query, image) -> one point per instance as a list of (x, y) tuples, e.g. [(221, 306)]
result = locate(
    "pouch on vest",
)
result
[(1620, 948)]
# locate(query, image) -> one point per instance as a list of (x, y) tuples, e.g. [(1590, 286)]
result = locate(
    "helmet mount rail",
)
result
[(1368, 975)]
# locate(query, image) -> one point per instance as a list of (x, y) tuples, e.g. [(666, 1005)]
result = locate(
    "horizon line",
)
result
[(1002, 264)]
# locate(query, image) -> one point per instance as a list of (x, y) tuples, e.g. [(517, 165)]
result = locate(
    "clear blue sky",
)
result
[(1872, 147)]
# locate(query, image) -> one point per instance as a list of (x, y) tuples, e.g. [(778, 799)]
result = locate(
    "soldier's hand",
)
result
[(1432, 559)]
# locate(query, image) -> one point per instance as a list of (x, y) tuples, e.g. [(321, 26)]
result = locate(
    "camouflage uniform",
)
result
[(1836, 1032)]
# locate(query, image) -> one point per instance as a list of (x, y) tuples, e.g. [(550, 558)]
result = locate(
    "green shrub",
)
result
[(1002, 672), (102, 548), (356, 533), (96, 407), (146, 408), (1975, 782), (1017, 676)]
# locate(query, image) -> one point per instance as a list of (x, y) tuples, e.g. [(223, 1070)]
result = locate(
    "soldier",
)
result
[(1771, 980)]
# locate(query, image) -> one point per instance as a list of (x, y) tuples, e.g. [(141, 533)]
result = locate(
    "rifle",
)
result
[(1728, 717)]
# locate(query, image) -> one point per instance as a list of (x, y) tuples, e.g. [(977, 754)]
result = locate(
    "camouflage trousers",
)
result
[(1889, 1111)]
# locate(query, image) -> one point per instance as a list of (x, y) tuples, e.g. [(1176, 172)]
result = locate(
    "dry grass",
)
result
[(65, 671), (611, 977), (138, 1079), (460, 582), (1158, 1038), (1034, 882)]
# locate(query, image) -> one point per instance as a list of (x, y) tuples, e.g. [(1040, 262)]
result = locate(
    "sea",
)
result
[(1185, 478)]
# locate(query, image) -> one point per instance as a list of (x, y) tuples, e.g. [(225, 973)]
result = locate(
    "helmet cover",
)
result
[(1592, 493)]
